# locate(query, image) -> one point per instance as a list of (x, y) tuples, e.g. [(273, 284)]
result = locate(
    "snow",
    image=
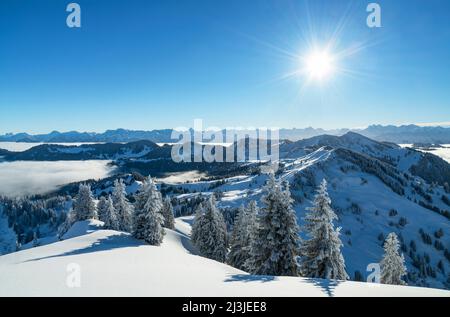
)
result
[(347, 188), (361, 244), (112, 263), (81, 228)]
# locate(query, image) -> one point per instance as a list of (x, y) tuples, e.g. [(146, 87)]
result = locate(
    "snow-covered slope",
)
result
[(112, 263), (373, 192)]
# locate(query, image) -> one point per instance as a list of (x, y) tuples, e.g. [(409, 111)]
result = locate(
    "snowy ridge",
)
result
[(114, 264)]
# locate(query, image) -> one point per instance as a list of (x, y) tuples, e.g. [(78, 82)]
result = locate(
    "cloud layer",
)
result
[(28, 178)]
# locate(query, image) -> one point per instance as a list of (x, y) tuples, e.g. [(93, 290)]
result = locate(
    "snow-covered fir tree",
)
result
[(252, 211), (198, 223), (18, 245), (35, 240), (101, 208), (275, 245), (67, 224), (84, 205), (110, 216), (321, 255), (244, 230), (167, 211), (393, 264), (124, 208), (236, 256), (209, 232), (148, 221)]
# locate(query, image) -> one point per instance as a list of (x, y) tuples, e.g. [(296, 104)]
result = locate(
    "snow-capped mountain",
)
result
[(119, 135), (397, 134)]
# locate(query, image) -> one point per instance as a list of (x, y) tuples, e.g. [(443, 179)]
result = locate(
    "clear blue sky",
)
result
[(141, 64)]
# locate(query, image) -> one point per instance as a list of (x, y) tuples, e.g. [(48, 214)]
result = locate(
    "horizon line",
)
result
[(444, 124)]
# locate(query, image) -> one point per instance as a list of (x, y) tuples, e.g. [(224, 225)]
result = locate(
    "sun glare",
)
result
[(319, 65)]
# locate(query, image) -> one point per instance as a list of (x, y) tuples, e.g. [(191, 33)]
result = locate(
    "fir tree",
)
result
[(198, 224), (243, 232), (84, 206), (148, 220), (321, 254), (123, 207), (102, 208), (252, 225), (275, 245), (35, 240), (110, 216), (167, 211), (209, 232), (393, 264), (67, 224), (236, 256)]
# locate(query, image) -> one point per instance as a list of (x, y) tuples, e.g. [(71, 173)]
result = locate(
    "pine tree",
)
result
[(243, 232), (321, 255), (84, 206), (123, 207), (275, 245), (110, 216), (209, 232), (393, 264), (102, 208), (167, 211), (148, 220)]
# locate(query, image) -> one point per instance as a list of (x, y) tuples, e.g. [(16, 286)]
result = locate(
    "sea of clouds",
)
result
[(27, 178)]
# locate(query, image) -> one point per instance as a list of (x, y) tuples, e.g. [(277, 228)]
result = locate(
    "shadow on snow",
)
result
[(104, 244)]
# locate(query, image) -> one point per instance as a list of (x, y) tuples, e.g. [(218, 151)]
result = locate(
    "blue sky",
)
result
[(160, 64)]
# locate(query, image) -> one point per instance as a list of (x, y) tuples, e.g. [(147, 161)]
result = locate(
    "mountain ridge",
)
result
[(388, 133)]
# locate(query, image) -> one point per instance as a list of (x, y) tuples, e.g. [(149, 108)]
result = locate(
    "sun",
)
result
[(319, 65)]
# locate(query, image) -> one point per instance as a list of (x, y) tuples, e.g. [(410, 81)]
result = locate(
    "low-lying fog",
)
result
[(27, 178), (23, 146), (443, 152)]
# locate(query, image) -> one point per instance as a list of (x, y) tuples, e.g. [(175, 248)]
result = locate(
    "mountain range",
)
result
[(396, 134)]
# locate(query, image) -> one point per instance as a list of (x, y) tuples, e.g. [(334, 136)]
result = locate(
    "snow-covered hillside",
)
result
[(374, 193), (376, 188), (112, 263)]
